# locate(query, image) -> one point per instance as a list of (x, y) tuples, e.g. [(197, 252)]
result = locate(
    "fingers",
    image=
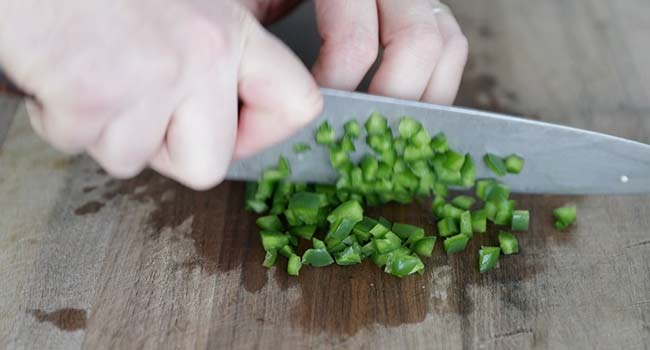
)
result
[(446, 78), (279, 95), (349, 30), (201, 134), (128, 143), (413, 44)]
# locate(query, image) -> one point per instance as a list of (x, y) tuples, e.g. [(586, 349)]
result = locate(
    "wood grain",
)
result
[(91, 262)]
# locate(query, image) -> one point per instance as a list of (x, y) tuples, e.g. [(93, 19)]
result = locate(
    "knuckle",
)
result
[(458, 45), (304, 109), (424, 38), (358, 48), (210, 42), (202, 177)]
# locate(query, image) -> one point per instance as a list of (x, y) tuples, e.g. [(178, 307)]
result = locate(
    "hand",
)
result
[(155, 82), (424, 52)]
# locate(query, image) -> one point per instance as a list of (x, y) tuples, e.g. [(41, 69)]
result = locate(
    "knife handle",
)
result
[(9, 88)]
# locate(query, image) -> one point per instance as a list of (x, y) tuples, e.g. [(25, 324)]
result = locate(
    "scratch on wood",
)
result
[(68, 319), (513, 333), (638, 244)]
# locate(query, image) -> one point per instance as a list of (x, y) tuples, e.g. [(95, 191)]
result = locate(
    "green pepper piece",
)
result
[(325, 134), (404, 231), (362, 228), (339, 230), (399, 143), (449, 211), (482, 187), (294, 265), (437, 205), (387, 243), (369, 167), (382, 220), (403, 265), (463, 202), (269, 223), (305, 232), (317, 257), (414, 153), (352, 129), (304, 207), (256, 206), (379, 230), (504, 212), (520, 220), (479, 221), (468, 172), (565, 216), (495, 163), (514, 164), (439, 143), (508, 243), (380, 143), (421, 138), (293, 241), (301, 147), (497, 192), (455, 244), (488, 258), (270, 258), (350, 210), (466, 224), (286, 251), (447, 227), (388, 156), (384, 171), (440, 189), (273, 240), (264, 190), (349, 256), (381, 259), (347, 145), (406, 179), (408, 127), (424, 246), (338, 158), (376, 124), (368, 250), (453, 160)]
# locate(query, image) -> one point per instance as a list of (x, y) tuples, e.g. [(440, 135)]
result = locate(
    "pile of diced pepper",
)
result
[(401, 169)]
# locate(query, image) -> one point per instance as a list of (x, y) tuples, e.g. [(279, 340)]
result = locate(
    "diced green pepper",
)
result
[(453, 160), (422, 138), (508, 243), (349, 256), (301, 147), (369, 166), (468, 172), (440, 189), (351, 210), (376, 124), (479, 221), (424, 246), (384, 171), (270, 223), (286, 251), (447, 227), (488, 258), (449, 211), (414, 153), (368, 250), (273, 240), (304, 206), (362, 228), (565, 216), (403, 265), (514, 164), (495, 163), (439, 143), (317, 257), (497, 192), (352, 129), (455, 244), (466, 224), (339, 230), (270, 258), (294, 265), (482, 187), (305, 232), (408, 127), (381, 259), (325, 134), (380, 143), (347, 145), (387, 243), (463, 202), (338, 158), (404, 231), (520, 220)]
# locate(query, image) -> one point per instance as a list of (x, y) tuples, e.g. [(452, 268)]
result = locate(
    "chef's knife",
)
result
[(559, 159)]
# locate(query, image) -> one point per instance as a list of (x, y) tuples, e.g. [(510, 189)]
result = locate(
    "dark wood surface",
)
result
[(91, 262)]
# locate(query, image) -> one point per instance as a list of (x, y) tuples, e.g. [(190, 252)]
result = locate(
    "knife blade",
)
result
[(559, 159)]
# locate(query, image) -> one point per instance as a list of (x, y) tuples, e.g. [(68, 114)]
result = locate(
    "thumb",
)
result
[(279, 95)]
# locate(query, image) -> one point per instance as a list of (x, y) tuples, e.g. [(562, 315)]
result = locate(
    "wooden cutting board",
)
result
[(88, 261)]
